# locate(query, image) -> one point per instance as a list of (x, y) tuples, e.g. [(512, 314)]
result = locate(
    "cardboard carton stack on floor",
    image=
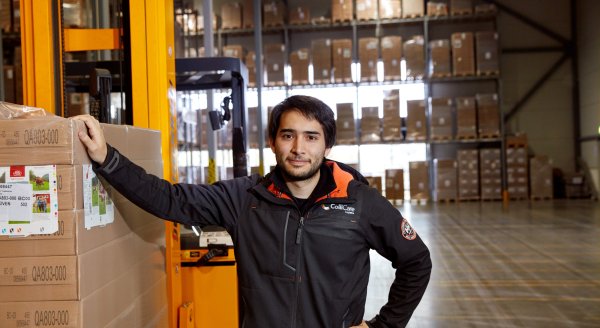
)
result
[(517, 173), (468, 174), (444, 172), (541, 177), (490, 174), (108, 275)]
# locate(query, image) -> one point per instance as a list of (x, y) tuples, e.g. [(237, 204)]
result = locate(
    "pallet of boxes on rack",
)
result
[(517, 167), (75, 247)]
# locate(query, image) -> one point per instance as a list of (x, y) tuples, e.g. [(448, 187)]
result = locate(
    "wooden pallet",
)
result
[(466, 137), (489, 136), (225, 28), (491, 199), (366, 20), (344, 80), (419, 201), (396, 202), (342, 20), (440, 75), (368, 79), (441, 138), (299, 82), (272, 25), (412, 15), (469, 199), (437, 15), (390, 18), (276, 83), (536, 198), (463, 74), (488, 73), (322, 81), (518, 198), (516, 144), (392, 78), (447, 200), (461, 12)]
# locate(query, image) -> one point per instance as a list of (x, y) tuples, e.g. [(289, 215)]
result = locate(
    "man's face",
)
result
[(299, 146)]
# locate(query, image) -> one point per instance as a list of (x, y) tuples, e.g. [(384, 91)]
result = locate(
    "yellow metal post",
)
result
[(38, 55), (154, 107)]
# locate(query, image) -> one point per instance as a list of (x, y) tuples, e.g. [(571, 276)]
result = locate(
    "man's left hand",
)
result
[(362, 325)]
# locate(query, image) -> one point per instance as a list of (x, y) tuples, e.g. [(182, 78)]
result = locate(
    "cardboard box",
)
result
[(345, 124), (366, 10), (273, 13), (41, 141), (414, 54), (468, 174), (252, 125), (445, 173), (248, 14), (234, 51), (370, 125), (439, 64), (231, 15), (442, 119), (9, 84), (391, 55), (488, 120), (375, 182), (541, 177), (463, 54), (486, 44), (461, 7), (394, 184), (299, 61), (392, 123), (435, 8), (321, 60), (342, 10), (416, 120), (300, 16), (490, 173), (412, 8), (368, 54), (466, 118), (275, 62), (418, 173), (390, 9), (342, 60)]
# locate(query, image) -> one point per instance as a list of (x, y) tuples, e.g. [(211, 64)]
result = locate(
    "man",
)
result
[(301, 234)]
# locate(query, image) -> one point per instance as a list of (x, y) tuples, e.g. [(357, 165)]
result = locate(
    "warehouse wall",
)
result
[(589, 76), (547, 116)]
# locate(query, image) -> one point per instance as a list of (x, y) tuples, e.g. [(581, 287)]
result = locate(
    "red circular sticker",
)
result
[(407, 230)]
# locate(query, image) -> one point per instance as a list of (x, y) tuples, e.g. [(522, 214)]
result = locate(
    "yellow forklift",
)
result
[(136, 59)]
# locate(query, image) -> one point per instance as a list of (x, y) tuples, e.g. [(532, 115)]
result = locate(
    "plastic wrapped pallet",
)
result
[(342, 60), (414, 53), (366, 9), (413, 8), (416, 120), (391, 55), (368, 54), (390, 9), (274, 62), (463, 54), (342, 10), (486, 44), (439, 63), (231, 15), (442, 119), (466, 118), (299, 61)]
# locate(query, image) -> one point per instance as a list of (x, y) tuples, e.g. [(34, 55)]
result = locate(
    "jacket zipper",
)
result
[(297, 276)]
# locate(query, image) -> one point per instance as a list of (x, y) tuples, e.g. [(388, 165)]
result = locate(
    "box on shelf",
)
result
[(392, 123), (394, 184), (273, 13), (234, 51), (345, 124), (231, 15), (321, 60), (439, 64), (418, 173), (368, 54), (248, 14), (413, 8), (437, 8), (300, 16), (488, 120), (414, 53), (442, 119), (342, 60), (274, 62), (375, 182), (486, 44), (391, 55), (390, 9), (299, 61), (541, 177), (366, 10), (461, 7), (370, 125), (466, 118), (463, 54), (468, 174), (445, 179), (416, 120), (342, 10)]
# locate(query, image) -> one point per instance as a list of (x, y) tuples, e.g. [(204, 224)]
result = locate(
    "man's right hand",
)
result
[(93, 138)]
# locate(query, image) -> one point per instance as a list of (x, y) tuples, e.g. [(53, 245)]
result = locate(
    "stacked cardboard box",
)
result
[(234, 51), (299, 61), (370, 125), (488, 120), (516, 170), (390, 9), (394, 185), (9, 83), (439, 63), (485, 9), (342, 60), (345, 124), (273, 13), (414, 53), (251, 65), (541, 177), (6, 16), (490, 174), (274, 62), (468, 174), (466, 118), (391, 55), (231, 15), (418, 173), (68, 278), (442, 121), (463, 54), (375, 182), (412, 8), (368, 54), (300, 16), (416, 120), (444, 171), (366, 9), (461, 7), (321, 60), (392, 123), (342, 10), (486, 44), (437, 8), (248, 14)]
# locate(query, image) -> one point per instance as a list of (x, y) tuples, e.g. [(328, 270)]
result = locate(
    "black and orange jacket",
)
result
[(295, 269)]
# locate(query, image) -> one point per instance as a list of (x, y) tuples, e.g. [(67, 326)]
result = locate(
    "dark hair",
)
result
[(310, 107)]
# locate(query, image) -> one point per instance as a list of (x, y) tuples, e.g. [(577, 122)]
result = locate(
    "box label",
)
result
[(28, 200), (99, 207)]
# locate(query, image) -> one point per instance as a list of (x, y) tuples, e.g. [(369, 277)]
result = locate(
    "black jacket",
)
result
[(295, 269)]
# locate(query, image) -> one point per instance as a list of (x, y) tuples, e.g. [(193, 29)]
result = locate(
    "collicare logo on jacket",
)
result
[(408, 232), (339, 207)]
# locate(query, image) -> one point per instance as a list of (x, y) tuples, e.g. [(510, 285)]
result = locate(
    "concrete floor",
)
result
[(533, 264)]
